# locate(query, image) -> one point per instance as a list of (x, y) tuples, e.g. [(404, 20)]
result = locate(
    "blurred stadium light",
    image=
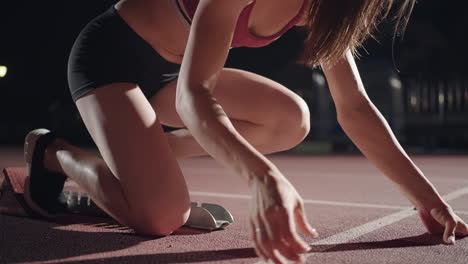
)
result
[(3, 71)]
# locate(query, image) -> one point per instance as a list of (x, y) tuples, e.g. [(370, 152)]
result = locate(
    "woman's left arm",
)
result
[(370, 132)]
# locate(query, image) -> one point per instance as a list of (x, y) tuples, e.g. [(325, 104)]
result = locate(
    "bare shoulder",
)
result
[(210, 38), (305, 13)]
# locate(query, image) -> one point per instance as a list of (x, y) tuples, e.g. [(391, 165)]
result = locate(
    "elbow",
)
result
[(191, 100), (352, 113)]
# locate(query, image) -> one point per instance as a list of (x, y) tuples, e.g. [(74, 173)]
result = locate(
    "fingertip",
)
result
[(451, 240), (305, 247), (449, 233), (313, 232), (309, 229)]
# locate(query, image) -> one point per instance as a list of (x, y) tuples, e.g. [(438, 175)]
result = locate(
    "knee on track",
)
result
[(159, 223)]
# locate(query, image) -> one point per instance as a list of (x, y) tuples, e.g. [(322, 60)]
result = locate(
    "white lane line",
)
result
[(361, 230), (456, 194), (307, 201), (365, 205), (366, 228)]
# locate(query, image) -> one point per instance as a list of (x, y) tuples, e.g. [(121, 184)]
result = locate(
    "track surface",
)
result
[(360, 215)]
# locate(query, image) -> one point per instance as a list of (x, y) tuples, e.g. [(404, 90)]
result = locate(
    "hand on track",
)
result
[(442, 220), (277, 216)]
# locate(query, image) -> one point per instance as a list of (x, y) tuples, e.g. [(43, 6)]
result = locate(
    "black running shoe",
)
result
[(42, 187)]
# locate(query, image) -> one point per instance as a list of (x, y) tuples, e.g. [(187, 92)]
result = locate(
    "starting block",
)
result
[(209, 216), (204, 216)]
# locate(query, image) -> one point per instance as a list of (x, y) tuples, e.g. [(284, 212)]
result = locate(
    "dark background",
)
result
[(420, 84)]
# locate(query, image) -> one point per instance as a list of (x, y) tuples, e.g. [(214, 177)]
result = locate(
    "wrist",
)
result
[(427, 198), (263, 174), (419, 190), (429, 203)]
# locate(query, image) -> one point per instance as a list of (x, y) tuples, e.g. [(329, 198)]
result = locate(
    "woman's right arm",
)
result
[(277, 206), (205, 56)]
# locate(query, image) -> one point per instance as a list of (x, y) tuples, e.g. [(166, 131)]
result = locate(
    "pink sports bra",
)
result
[(242, 36)]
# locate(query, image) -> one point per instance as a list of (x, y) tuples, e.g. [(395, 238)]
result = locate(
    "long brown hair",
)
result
[(334, 26)]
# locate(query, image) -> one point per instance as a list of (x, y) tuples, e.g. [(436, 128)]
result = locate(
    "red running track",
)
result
[(360, 215)]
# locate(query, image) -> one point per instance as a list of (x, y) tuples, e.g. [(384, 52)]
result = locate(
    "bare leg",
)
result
[(267, 114), (90, 171), (277, 122), (136, 178), (184, 145)]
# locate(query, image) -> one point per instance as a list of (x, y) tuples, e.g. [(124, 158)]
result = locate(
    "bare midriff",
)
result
[(157, 22), (160, 24)]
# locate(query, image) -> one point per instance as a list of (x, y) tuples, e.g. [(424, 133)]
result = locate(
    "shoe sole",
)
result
[(29, 147)]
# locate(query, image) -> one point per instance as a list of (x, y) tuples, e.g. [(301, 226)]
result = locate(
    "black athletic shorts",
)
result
[(107, 51)]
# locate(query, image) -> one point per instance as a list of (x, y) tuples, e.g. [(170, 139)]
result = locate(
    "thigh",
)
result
[(243, 96), (130, 139)]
